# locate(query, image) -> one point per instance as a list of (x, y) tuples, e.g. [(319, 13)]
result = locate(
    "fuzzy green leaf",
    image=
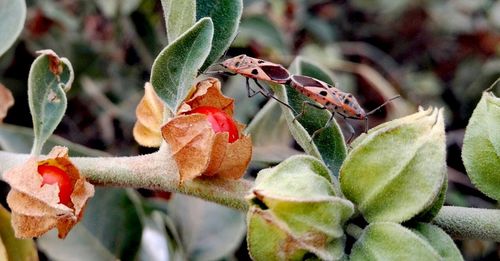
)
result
[(177, 65), (439, 240), (390, 241), (12, 16), (397, 170), (294, 211), (481, 150), (49, 78), (179, 16), (329, 144), (226, 16), (13, 248)]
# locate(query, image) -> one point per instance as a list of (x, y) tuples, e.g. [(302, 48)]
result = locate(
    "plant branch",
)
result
[(469, 223), (156, 171)]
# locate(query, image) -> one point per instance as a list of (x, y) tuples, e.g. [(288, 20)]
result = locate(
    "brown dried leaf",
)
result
[(6, 101), (36, 208), (149, 114)]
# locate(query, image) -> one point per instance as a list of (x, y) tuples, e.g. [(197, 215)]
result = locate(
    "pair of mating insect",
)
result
[(325, 95)]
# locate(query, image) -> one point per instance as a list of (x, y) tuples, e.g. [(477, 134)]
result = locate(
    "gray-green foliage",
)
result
[(12, 13), (176, 67), (481, 150), (179, 15), (49, 78)]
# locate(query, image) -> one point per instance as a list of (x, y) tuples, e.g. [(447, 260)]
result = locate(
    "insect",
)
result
[(257, 69), (332, 99)]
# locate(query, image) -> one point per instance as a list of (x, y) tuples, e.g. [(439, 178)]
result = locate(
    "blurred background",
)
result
[(439, 53)]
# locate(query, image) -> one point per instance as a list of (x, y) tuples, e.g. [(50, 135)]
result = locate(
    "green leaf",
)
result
[(391, 241), (481, 149), (294, 211), (12, 16), (177, 65), (439, 240), (226, 16), (111, 225), (397, 170), (329, 144), (49, 78), (179, 16), (18, 139), (209, 231), (12, 248)]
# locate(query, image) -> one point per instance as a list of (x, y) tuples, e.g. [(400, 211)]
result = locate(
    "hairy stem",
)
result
[(469, 223), (156, 171)]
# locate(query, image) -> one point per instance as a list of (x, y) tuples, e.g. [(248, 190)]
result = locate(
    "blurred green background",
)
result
[(439, 53)]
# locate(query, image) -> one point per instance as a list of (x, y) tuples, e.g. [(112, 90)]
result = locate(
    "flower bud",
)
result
[(295, 213), (398, 169)]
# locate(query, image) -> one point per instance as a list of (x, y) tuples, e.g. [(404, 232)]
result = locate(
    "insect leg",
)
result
[(251, 92), (351, 129), (328, 124), (268, 94), (303, 108)]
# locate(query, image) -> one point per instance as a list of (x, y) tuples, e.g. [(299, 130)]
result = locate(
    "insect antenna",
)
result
[(382, 105), (378, 108)]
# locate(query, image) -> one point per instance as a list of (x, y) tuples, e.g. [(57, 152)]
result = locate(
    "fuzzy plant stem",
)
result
[(471, 223), (158, 171)]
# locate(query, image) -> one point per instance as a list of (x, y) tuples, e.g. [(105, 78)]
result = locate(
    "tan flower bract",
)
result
[(36, 208), (149, 114), (197, 149)]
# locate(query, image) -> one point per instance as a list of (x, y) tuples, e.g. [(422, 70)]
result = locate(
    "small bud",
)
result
[(295, 213)]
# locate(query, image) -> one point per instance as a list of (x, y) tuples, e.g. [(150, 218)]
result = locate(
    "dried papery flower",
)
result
[(46, 193), (149, 114), (204, 139), (6, 101)]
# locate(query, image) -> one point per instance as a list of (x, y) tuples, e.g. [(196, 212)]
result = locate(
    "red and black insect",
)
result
[(331, 99), (257, 69)]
